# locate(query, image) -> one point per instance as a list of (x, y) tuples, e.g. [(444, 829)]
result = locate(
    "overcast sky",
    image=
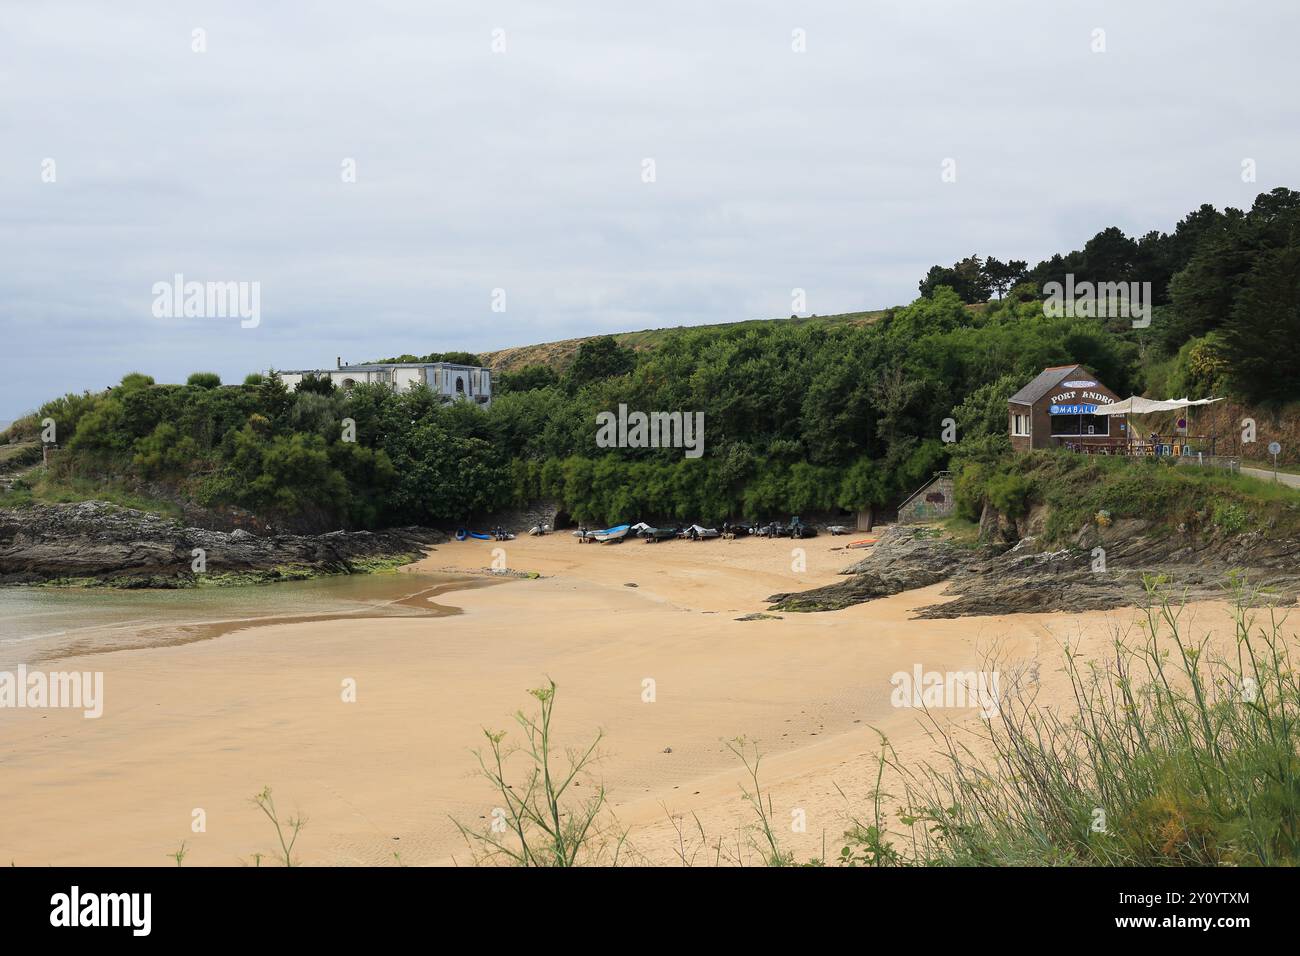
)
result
[(522, 170)]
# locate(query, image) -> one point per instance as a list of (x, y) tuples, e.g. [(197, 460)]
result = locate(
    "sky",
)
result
[(525, 174)]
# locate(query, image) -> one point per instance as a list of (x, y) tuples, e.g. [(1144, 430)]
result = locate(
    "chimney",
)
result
[(338, 360)]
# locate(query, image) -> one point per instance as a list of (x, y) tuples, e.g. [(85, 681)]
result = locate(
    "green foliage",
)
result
[(315, 412), (67, 413), (1226, 291), (969, 489), (863, 485), (164, 451), (1232, 250), (1009, 493), (454, 358), (799, 419), (968, 278), (801, 416), (1001, 276), (101, 428), (1230, 517), (599, 359), (1259, 344), (314, 384), (204, 380), (1201, 367), (135, 380), (526, 379), (1075, 488), (290, 473)]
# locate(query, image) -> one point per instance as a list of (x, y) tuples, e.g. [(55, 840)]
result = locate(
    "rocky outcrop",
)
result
[(1103, 567), (122, 547), (905, 558)]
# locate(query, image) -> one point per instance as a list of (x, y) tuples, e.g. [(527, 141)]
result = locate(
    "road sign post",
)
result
[(1274, 449)]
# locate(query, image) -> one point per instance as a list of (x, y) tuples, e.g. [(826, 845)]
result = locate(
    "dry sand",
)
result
[(206, 725)]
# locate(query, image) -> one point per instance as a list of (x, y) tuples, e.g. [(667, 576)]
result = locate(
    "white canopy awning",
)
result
[(1146, 406)]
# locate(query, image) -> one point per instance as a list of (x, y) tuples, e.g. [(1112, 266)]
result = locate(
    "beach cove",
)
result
[(206, 723)]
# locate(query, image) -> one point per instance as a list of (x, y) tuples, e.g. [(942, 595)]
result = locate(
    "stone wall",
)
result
[(519, 520), (933, 503)]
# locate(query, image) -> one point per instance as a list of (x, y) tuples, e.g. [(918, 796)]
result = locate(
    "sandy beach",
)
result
[(207, 724)]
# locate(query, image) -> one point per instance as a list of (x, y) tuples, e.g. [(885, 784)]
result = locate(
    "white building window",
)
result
[(1020, 426)]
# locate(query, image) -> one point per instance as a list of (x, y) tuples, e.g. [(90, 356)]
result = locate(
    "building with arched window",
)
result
[(447, 379)]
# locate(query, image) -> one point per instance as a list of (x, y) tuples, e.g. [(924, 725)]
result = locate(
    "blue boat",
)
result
[(462, 534), (616, 533)]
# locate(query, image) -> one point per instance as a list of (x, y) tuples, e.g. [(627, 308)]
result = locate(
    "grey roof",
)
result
[(1044, 382), (379, 366), (376, 367)]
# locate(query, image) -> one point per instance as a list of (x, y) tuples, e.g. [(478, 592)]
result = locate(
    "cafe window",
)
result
[(1072, 425)]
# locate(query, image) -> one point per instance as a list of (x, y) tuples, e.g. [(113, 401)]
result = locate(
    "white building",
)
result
[(444, 378)]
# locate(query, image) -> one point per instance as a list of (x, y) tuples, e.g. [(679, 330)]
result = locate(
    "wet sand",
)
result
[(206, 724), (203, 614)]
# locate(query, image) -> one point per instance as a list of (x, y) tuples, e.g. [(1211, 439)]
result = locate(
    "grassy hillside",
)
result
[(559, 355)]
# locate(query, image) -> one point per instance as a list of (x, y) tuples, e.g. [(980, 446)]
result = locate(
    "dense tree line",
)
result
[(798, 418), (1225, 287)]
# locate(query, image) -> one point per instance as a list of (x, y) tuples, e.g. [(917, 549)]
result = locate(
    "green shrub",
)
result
[(164, 451), (1230, 517), (970, 490), (135, 380), (1009, 494)]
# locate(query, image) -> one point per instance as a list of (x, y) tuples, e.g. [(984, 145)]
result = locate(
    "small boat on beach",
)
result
[(697, 533), (837, 529), (654, 535), (798, 529), (462, 535), (608, 535)]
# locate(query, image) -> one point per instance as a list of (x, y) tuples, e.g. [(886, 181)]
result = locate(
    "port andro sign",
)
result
[(1074, 396)]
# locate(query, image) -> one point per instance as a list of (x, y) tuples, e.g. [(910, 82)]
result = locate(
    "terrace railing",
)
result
[(1151, 446)]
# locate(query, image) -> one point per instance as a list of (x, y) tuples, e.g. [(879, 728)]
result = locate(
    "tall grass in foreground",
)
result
[(1173, 754), (286, 831), (539, 823)]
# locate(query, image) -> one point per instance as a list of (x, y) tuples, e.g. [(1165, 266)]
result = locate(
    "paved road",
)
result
[(1267, 475)]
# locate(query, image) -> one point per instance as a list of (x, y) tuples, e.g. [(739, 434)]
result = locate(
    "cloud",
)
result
[(522, 170)]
